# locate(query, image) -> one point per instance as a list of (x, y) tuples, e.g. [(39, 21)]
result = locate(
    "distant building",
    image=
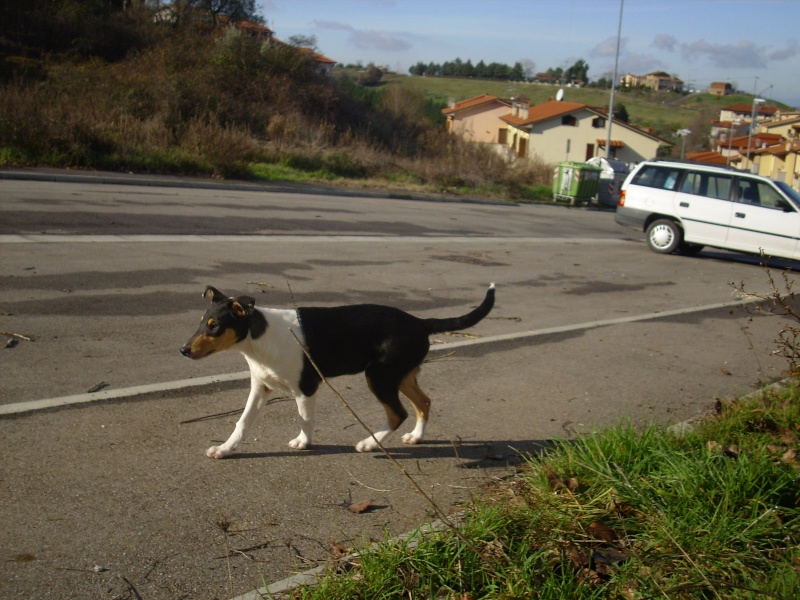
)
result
[(720, 88), (658, 81), (550, 131)]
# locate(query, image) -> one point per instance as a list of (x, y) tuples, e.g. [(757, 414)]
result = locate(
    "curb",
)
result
[(170, 181), (311, 577)]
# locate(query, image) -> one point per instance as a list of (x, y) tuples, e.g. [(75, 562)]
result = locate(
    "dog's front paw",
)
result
[(218, 452), (411, 438), (299, 443), (367, 445)]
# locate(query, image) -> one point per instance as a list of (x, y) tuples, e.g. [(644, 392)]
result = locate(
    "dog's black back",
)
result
[(346, 340)]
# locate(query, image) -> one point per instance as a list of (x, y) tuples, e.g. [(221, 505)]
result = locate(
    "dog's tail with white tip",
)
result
[(464, 321)]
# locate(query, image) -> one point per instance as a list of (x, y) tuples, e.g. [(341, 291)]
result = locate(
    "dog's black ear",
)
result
[(212, 294), (243, 306)]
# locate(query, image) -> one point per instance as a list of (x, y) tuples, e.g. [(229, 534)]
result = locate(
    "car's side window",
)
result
[(718, 186), (657, 177), (748, 192), (711, 185), (770, 198), (691, 183)]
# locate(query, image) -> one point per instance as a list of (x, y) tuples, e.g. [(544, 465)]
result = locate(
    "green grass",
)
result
[(619, 514)]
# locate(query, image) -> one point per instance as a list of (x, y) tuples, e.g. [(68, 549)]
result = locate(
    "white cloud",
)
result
[(368, 39), (744, 54), (664, 41), (608, 47), (790, 51)]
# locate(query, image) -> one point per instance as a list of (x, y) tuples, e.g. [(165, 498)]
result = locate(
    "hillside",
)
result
[(116, 89), (664, 112)]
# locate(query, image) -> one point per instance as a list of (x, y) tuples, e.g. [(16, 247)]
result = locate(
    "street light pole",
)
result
[(682, 133), (736, 122), (756, 102), (614, 83)]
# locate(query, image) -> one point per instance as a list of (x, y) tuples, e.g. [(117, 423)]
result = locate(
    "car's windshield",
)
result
[(789, 191)]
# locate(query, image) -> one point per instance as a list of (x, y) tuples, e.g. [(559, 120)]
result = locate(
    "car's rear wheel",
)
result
[(690, 249), (664, 236)]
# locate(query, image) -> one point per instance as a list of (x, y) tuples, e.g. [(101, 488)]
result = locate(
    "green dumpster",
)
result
[(575, 181)]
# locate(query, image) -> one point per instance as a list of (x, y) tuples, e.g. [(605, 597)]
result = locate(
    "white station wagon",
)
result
[(683, 207)]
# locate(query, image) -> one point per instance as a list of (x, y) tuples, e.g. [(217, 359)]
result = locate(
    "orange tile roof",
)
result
[(472, 102), (780, 149), (714, 158), (614, 143), (542, 112), (748, 108)]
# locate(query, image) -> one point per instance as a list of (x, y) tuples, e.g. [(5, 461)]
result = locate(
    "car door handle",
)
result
[(684, 205), (739, 215)]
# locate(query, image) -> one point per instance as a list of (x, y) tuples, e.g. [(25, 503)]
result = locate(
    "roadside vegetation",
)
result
[(196, 98), (92, 84), (707, 510)]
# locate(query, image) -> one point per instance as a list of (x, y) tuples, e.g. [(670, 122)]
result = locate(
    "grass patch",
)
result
[(620, 514)]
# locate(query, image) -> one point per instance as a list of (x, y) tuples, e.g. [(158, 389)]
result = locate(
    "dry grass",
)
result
[(218, 103)]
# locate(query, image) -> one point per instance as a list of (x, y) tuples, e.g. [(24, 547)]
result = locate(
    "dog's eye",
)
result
[(212, 325)]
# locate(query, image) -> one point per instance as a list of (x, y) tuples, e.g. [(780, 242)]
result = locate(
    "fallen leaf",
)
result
[(360, 507), (339, 551), (602, 532), (733, 451), (25, 557), (789, 456)]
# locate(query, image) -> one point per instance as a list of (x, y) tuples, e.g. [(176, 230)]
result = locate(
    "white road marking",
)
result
[(304, 239), (34, 405)]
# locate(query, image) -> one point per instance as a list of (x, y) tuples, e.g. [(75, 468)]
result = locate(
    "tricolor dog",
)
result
[(386, 343)]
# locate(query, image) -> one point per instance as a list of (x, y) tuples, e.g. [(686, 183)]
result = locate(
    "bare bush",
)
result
[(780, 301)]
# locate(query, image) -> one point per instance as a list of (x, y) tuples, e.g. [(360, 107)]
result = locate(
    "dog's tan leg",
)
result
[(422, 406), (385, 389), (255, 401), (306, 408), (393, 421)]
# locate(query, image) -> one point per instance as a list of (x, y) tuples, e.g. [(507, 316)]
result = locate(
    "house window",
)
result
[(598, 122), (569, 121)]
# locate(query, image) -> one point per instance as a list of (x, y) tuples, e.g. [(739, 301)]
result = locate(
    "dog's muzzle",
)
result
[(186, 351)]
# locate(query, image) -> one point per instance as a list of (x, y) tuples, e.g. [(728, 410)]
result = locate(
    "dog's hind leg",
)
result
[(255, 401), (384, 383), (422, 406), (306, 408)]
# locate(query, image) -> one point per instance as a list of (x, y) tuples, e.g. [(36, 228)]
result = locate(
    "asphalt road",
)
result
[(590, 329)]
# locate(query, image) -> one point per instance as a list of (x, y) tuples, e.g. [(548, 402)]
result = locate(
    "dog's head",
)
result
[(227, 322)]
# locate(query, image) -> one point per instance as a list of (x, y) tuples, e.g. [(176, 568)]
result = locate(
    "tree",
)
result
[(304, 41), (577, 73), (235, 10), (621, 113), (530, 68), (371, 76)]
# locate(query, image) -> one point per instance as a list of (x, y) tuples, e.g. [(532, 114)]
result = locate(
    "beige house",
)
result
[(550, 132), (744, 112), (478, 119), (780, 161), (556, 131)]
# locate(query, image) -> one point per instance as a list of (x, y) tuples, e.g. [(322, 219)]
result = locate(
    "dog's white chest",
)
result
[(274, 380)]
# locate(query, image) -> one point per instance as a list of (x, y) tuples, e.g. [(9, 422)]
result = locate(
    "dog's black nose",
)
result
[(186, 351)]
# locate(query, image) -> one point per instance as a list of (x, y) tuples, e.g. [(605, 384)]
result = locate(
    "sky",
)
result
[(752, 44)]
